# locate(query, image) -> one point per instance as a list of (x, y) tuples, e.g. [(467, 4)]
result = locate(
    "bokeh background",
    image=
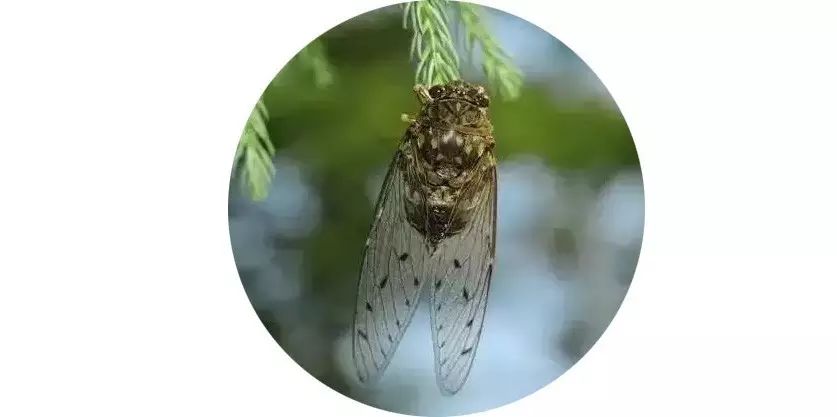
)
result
[(570, 214)]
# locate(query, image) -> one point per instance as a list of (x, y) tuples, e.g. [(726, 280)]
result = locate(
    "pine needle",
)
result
[(501, 73), (254, 156), (432, 43)]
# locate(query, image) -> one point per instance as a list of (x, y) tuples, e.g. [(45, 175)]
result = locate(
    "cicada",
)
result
[(435, 226)]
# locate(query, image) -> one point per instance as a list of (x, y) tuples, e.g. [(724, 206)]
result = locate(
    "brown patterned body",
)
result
[(448, 159)]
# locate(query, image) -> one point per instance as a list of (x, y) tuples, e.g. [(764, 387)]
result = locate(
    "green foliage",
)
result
[(313, 58), (502, 75), (254, 156), (433, 46), (432, 43)]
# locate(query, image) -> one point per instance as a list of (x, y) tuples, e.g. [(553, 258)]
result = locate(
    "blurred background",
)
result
[(570, 213)]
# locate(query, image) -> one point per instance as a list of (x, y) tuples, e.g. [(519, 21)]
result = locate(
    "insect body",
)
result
[(435, 221)]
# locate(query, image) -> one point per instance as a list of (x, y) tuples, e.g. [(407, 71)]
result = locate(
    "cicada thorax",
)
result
[(447, 159)]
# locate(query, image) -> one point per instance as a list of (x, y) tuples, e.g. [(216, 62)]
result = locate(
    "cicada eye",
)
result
[(435, 91), (482, 101)]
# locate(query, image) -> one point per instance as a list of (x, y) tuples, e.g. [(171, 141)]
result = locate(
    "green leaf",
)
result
[(254, 155), (313, 57), (432, 44), (501, 73)]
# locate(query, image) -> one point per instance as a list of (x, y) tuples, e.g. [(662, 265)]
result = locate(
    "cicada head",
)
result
[(456, 105)]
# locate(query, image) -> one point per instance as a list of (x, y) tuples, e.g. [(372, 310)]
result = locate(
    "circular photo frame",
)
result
[(436, 208)]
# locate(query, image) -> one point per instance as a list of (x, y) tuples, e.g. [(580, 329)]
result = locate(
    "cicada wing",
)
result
[(390, 280), (461, 271)]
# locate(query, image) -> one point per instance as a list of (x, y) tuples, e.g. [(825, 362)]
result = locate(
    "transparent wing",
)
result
[(461, 271), (390, 280)]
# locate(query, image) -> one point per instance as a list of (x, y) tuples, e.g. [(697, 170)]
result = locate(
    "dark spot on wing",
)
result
[(438, 283), (403, 256), (443, 361), (407, 302), (362, 334), (465, 294), (443, 344), (389, 336), (383, 282), (398, 323), (361, 378), (439, 307), (368, 306), (467, 351), (469, 323), (439, 328), (415, 282), (456, 263)]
